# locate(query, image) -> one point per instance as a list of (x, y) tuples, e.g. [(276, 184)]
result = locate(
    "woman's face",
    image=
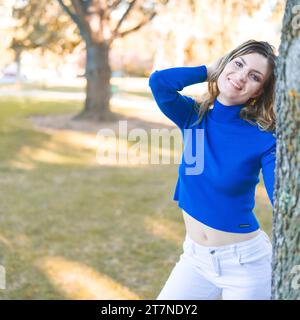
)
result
[(243, 78)]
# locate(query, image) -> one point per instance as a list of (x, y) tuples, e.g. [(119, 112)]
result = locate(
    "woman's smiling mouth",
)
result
[(234, 84)]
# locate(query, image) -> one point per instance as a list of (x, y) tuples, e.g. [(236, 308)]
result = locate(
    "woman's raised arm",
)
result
[(165, 85)]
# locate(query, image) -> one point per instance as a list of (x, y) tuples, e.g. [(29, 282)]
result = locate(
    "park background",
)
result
[(70, 227)]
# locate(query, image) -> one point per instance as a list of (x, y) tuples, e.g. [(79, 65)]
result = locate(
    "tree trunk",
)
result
[(18, 53), (286, 213), (98, 89)]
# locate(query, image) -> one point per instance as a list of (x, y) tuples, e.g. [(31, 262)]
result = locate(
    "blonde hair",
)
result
[(260, 108)]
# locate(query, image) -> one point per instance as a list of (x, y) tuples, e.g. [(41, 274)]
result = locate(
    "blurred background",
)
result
[(70, 227)]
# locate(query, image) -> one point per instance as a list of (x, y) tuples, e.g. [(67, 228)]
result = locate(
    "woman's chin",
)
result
[(228, 92), (227, 95)]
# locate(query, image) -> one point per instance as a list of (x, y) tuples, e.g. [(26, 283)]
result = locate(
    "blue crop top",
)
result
[(221, 161)]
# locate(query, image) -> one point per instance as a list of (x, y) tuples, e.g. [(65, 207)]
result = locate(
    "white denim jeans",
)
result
[(239, 271)]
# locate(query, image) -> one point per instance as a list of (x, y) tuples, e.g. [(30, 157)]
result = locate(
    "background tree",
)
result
[(204, 36), (286, 213), (42, 24), (100, 23)]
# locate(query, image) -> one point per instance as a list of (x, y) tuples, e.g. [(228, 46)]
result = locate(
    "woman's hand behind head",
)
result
[(211, 68)]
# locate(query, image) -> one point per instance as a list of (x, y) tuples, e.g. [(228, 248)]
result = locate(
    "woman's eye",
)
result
[(238, 63), (255, 78)]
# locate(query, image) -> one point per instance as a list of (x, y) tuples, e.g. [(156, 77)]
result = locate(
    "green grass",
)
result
[(72, 229), (46, 87), (42, 86)]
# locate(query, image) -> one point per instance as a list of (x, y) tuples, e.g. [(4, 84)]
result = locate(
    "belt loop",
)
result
[(216, 262), (218, 266), (237, 254)]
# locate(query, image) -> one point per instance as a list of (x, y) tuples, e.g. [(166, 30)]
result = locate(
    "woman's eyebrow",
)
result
[(246, 64)]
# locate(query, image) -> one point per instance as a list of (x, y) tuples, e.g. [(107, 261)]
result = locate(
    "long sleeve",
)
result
[(268, 161), (164, 85)]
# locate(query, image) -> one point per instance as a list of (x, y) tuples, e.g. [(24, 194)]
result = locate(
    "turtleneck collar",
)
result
[(225, 113)]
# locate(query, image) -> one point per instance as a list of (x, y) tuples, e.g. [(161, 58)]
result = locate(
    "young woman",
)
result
[(225, 253)]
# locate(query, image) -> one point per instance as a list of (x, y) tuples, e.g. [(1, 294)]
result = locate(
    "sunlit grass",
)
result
[(72, 229), (78, 281)]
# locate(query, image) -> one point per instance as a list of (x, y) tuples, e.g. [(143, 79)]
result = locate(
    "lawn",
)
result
[(74, 229)]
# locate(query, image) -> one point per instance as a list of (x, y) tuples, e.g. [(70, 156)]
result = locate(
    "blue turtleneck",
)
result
[(222, 156)]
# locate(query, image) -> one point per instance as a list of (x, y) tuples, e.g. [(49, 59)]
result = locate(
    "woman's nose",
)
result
[(242, 77)]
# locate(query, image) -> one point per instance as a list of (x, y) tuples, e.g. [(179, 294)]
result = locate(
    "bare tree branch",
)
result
[(81, 14), (77, 19), (123, 18), (83, 9), (122, 34), (103, 9), (114, 5), (68, 11)]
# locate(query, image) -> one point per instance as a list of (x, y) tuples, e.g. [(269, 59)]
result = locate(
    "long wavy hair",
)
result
[(257, 111)]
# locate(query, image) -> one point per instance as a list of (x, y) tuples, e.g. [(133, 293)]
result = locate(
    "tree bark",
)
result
[(18, 54), (286, 213), (98, 88)]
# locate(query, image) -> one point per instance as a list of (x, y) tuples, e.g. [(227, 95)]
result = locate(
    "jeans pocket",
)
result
[(254, 258), (269, 247)]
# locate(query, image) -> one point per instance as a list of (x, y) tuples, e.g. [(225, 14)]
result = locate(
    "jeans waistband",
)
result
[(253, 242)]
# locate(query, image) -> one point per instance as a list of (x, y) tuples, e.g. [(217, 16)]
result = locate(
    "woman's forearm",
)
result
[(165, 85)]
